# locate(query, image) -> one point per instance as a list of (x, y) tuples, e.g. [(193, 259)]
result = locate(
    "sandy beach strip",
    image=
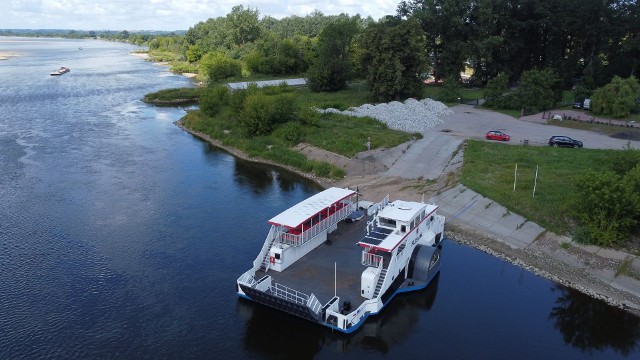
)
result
[(6, 55), (140, 55)]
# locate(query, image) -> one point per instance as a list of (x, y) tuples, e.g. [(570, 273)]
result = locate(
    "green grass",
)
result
[(174, 96), (355, 95), (336, 133), (488, 169), (346, 135)]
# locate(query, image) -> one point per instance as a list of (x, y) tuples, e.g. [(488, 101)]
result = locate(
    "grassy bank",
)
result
[(336, 133), (489, 170)]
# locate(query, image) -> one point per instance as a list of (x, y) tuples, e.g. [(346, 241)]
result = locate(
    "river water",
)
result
[(121, 237)]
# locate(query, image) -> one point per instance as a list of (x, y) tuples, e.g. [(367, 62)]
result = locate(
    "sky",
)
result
[(166, 14)]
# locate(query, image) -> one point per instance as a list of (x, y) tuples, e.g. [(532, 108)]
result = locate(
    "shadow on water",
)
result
[(260, 177), (266, 328), (591, 325)]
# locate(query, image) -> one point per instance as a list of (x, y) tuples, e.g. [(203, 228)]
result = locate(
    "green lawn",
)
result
[(489, 169)]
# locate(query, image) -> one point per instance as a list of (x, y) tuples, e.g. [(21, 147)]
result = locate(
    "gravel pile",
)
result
[(410, 116)]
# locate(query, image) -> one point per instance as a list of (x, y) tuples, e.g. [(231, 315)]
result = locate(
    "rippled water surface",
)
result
[(121, 236)]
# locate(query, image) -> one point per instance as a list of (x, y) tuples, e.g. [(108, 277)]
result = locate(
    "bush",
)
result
[(255, 116), (309, 116), (608, 205), (213, 99), (290, 132), (219, 66), (261, 113)]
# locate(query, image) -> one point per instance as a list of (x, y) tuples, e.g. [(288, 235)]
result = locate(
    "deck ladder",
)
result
[(383, 275), (265, 260)]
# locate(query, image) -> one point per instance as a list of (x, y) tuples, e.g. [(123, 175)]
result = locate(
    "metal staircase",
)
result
[(383, 275), (265, 260)]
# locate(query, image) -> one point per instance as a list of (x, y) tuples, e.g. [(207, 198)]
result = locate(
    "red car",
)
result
[(497, 135)]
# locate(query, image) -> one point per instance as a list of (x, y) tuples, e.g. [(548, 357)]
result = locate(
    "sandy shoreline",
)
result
[(6, 55)]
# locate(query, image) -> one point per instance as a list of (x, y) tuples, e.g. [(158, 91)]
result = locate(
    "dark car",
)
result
[(564, 141), (497, 135)]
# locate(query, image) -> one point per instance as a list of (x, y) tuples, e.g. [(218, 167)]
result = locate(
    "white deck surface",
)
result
[(302, 211)]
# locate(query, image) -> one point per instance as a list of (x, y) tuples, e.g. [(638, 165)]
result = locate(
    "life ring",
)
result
[(272, 259)]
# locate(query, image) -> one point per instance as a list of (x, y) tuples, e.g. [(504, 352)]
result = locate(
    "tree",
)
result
[(275, 55), (242, 25), (332, 67), (392, 55), (539, 89), (193, 53), (617, 98), (218, 66), (450, 89), (495, 91)]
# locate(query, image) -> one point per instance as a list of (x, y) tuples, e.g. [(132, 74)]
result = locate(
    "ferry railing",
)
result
[(289, 294), (310, 233), (384, 202), (265, 248), (369, 259), (314, 304), (247, 278)]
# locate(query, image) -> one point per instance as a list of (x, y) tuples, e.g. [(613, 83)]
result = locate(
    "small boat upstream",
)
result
[(336, 273), (62, 70)]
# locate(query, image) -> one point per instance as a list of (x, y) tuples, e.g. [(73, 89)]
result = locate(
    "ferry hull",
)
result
[(400, 285)]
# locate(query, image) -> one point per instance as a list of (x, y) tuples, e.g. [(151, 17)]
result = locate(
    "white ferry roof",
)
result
[(385, 239), (304, 210), (401, 210)]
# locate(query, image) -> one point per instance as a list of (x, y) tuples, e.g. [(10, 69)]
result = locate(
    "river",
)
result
[(122, 236)]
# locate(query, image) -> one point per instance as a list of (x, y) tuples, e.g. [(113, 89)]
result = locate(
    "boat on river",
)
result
[(335, 273), (62, 70)]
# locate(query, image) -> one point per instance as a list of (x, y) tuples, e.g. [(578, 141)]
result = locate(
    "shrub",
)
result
[(256, 115), (289, 132), (608, 205), (219, 66), (213, 99), (322, 169)]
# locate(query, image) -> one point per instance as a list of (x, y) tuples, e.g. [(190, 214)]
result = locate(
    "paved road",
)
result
[(428, 157), (468, 122)]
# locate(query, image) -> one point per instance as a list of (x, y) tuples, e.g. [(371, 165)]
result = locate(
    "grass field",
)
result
[(489, 169)]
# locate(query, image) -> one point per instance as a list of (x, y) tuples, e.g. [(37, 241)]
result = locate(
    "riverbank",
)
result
[(6, 55), (549, 255)]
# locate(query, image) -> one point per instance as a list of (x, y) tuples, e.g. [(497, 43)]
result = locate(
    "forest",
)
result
[(589, 40)]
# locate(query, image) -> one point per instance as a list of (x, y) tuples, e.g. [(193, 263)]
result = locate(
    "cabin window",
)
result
[(403, 228), (413, 224), (387, 222), (277, 256)]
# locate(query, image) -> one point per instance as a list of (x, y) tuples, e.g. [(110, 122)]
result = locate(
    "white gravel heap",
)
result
[(410, 116)]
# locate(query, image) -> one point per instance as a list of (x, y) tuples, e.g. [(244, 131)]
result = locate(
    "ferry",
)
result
[(62, 70), (317, 266)]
